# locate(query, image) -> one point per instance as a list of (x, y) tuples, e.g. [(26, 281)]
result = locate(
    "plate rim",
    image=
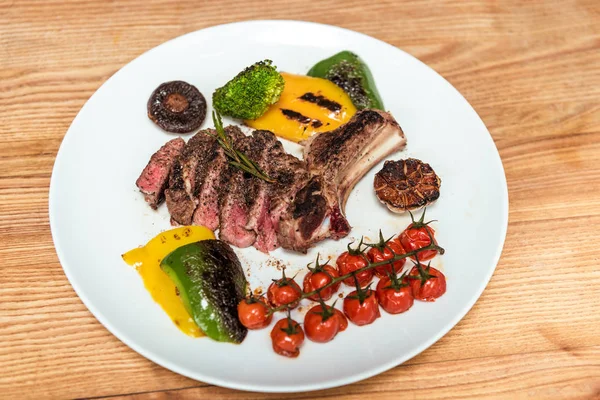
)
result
[(131, 343)]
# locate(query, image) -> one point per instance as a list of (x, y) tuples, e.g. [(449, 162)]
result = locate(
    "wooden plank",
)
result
[(532, 72), (566, 374)]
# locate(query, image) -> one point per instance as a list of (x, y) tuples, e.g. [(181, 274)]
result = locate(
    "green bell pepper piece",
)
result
[(349, 72), (211, 283)]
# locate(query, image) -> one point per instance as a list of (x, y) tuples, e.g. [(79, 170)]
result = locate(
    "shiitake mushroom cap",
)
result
[(177, 107)]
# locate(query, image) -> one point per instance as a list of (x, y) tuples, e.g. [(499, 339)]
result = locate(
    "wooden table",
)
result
[(530, 69)]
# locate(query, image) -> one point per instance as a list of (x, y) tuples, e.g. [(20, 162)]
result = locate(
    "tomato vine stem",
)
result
[(370, 265)]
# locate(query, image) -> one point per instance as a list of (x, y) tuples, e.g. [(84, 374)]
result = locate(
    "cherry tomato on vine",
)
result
[(427, 283), (353, 260), (416, 236), (287, 337), (284, 291), (323, 322), (361, 306), (342, 320), (394, 294), (253, 313), (318, 277), (385, 250)]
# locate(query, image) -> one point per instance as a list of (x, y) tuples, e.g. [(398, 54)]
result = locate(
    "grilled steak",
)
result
[(200, 159), (337, 160), (304, 205), (207, 191), (263, 144), (181, 206), (181, 201), (154, 177), (237, 195), (302, 223)]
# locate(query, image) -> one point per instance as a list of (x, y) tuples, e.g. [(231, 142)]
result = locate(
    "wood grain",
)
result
[(530, 69)]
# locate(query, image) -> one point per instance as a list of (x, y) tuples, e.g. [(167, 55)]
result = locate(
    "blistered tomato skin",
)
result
[(391, 249), (394, 300), (427, 284), (323, 325), (253, 314), (416, 238), (314, 280), (361, 313), (287, 336), (348, 263), (284, 291)]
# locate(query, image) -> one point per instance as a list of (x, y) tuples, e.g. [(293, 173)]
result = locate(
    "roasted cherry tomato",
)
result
[(394, 294), (253, 313), (323, 322), (383, 251), (284, 291), (287, 337), (427, 283), (318, 277), (361, 306), (342, 319), (417, 236), (353, 260)]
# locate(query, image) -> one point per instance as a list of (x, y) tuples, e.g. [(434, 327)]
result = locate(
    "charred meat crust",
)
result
[(331, 148), (309, 208), (180, 205), (340, 158)]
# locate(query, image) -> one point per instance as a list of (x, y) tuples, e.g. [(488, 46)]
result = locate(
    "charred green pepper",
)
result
[(349, 72), (211, 283)]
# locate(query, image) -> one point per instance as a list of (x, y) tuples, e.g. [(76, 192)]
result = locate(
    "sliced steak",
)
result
[(181, 206), (154, 177), (181, 200), (302, 223), (337, 160), (189, 174), (237, 196), (213, 171), (291, 175), (259, 217)]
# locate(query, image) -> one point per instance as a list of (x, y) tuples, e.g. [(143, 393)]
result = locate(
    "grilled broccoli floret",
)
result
[(251, 92)]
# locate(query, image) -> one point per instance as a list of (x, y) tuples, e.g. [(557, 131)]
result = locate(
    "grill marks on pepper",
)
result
[(320, 101)]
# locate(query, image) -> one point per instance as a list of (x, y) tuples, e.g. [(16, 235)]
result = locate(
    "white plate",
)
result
[(96, 212)]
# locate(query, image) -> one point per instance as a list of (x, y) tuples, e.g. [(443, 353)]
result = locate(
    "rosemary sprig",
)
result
[(236, 157)]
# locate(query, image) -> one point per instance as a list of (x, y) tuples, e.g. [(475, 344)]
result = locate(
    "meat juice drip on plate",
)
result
[(147, 260)]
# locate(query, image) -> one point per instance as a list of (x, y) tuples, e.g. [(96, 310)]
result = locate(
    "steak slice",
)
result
[(259, 218), (154, 177), (337, 160), (237, 196), (301, 224), (291, 175), (181, 206), (181, 200), (213, 173), (189, 174)]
